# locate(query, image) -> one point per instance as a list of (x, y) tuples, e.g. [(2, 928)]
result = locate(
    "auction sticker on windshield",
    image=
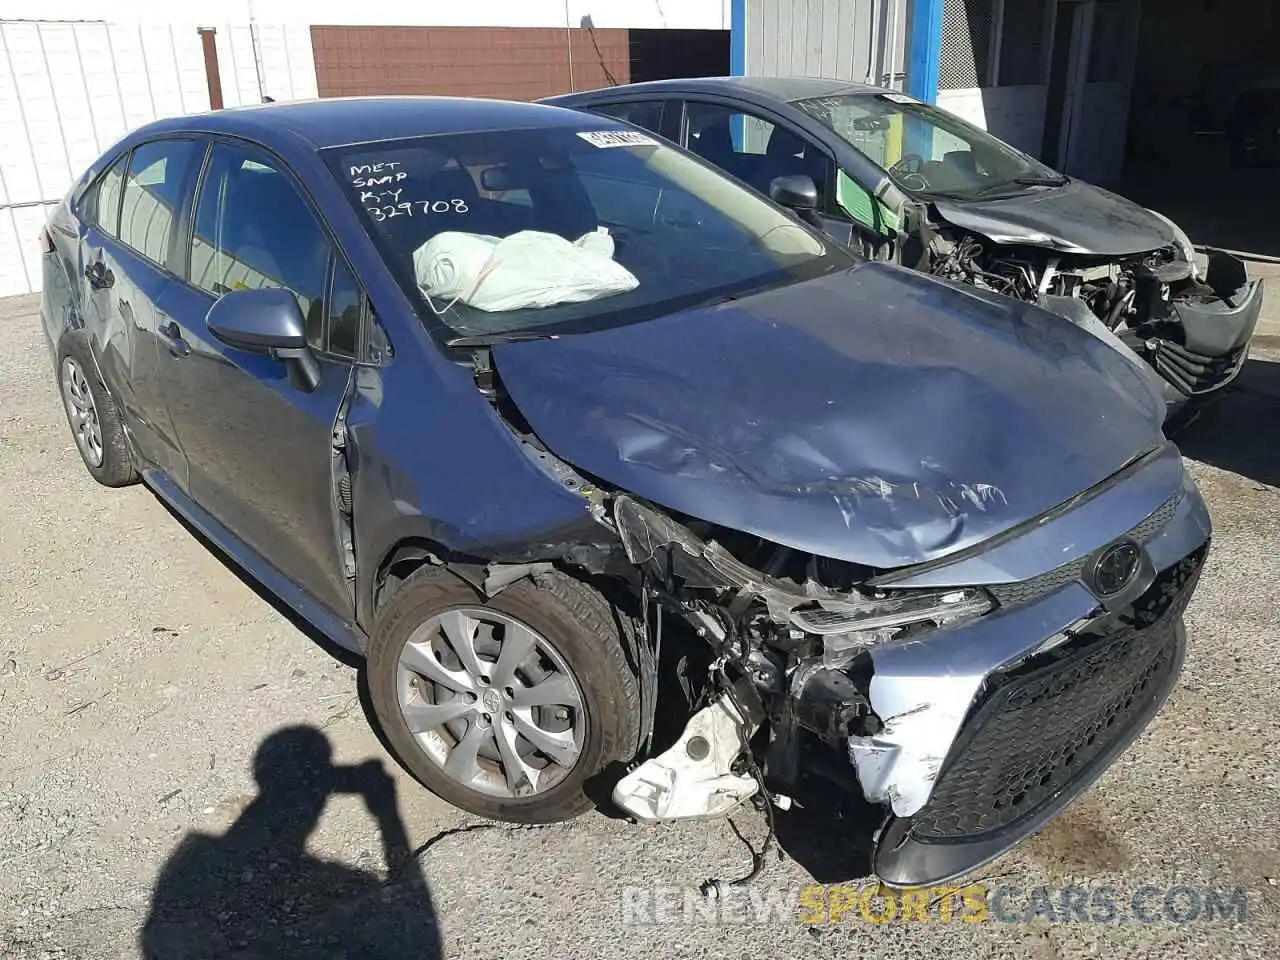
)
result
[(617, 138)]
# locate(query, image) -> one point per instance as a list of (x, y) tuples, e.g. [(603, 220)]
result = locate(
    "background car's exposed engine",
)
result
[(1120, 292), (1154, 302)]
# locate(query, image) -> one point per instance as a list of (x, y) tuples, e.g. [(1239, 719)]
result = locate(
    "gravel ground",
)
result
[(140, 677)]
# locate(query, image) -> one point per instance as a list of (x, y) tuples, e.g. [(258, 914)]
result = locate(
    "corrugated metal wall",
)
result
[(69, 89), (859, 40)]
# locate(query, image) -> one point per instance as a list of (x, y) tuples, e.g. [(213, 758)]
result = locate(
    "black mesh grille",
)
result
[(1025, 591), (1149, 527), (1045, 724)]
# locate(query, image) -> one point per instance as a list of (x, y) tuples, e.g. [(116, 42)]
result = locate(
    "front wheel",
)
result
[(506, 706)]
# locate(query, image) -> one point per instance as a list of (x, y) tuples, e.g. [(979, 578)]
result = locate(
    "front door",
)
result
[(259, 447)]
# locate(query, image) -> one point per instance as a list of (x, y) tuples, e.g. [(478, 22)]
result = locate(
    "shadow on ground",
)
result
[(831, 836), (1240, 430), (256, 892)]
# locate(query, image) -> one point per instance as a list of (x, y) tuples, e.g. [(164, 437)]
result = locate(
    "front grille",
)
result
[(1045, 724), (1025, 591)]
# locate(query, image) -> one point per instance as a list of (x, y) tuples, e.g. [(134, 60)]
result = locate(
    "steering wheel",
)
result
[(908, 164), (907, 172)]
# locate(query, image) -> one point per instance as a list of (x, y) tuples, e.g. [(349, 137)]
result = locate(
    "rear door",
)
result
[(260, 449), (130, 215)]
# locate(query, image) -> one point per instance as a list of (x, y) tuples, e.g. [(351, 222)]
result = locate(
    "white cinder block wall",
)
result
[(76, 75), (69, 89)]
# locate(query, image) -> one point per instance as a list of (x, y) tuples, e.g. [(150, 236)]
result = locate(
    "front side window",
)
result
[(753, 149), (927, 151), (254, 230), (346, 300), (158, 173), (612, 227)]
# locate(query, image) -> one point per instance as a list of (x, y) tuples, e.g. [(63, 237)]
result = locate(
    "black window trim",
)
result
[(182, 256)]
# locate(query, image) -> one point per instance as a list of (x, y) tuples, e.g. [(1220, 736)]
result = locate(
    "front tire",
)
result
[(93, 416), (505, 706)]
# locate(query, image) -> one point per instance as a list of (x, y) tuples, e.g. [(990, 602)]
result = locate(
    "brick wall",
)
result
[(511, 63)]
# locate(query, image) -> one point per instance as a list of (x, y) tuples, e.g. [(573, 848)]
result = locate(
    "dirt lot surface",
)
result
[(142, 681)]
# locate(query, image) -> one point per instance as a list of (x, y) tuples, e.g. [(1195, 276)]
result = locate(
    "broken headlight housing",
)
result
[(1181, 241), (885, 614)]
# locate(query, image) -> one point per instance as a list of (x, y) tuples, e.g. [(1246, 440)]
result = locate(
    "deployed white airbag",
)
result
[(525, 270)]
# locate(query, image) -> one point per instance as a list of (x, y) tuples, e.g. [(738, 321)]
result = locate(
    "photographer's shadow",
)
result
[(255, 892)]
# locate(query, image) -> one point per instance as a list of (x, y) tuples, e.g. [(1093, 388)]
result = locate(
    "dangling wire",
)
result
[(758, 858)]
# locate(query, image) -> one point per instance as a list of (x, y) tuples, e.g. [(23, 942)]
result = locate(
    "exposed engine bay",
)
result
[(1192, 327)]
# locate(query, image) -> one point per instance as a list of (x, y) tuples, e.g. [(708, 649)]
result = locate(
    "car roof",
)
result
[(341, 120), (759, 88)]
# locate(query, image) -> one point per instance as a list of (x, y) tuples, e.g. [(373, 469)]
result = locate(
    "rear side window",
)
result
[(102, 205), (158, 173), (752, 148), (643, 113)]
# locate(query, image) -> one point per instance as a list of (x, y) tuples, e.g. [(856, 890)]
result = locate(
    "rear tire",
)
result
[(475, 740), (93, 416)]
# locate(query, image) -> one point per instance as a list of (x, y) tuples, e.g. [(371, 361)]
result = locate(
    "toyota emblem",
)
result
[(1115, 568)]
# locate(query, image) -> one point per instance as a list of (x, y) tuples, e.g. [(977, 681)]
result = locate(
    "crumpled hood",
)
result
[(876, 416), (1075, 218)]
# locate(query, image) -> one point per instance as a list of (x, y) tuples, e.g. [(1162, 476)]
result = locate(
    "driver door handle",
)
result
[(172, 336)]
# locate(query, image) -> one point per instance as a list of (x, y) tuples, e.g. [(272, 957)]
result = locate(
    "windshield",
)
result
[(554, 230), (927, 151)]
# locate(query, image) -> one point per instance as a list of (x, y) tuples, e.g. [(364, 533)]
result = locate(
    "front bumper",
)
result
[(1046, 731), (1215, 334), (991, 729)]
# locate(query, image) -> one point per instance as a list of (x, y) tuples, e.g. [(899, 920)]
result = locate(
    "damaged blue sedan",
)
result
[(523, 404)]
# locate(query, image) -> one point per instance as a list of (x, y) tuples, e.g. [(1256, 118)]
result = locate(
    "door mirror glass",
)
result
[(794, 191), (258, 320)]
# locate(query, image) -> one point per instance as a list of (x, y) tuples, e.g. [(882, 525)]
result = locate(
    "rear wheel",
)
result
[(93, 416), (505, 707)]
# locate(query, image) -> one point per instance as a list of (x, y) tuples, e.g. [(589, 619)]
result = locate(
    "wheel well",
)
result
[(400, 563), (408, 556)]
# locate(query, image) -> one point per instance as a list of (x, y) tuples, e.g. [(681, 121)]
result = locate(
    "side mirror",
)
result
[(795, 191), (266, 321), (500, 179)]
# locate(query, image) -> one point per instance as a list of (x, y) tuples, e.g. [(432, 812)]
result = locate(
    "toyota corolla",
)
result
[(499, 394)]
